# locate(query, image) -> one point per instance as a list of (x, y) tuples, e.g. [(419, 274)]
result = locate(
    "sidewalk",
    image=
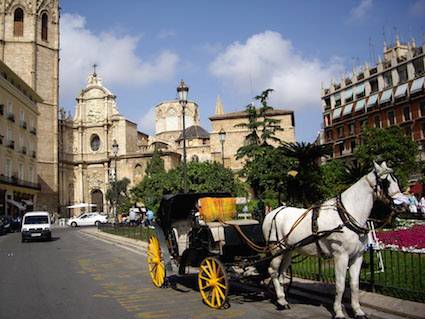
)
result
[(313, 290)]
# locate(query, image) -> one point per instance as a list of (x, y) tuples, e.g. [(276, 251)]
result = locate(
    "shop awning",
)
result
[(348, 94), (372, 100), (16, 204), (337, 113), (417, 85), (347, 109), (360, 105), (401, 90), (359, 89), (386, 96), (27, 202), (81, 205)]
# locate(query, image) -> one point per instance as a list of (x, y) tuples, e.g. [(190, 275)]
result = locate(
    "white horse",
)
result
[(287, 226)]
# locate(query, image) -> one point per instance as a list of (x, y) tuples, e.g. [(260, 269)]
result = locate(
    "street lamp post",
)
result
[(115, 148), (182, 90), (222, 136)]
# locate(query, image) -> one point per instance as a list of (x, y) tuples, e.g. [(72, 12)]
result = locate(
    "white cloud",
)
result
[(147, 122), (360, 12), (164, 34), (417, 8), (115, 55), (267, 60)]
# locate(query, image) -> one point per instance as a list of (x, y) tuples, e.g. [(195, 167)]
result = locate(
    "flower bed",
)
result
[(411, 239)]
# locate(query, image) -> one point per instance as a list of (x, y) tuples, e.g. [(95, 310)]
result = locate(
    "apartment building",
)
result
[(386, 94), (18, 144)]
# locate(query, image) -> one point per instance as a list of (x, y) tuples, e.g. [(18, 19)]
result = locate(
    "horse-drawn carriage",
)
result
[(202, 230)]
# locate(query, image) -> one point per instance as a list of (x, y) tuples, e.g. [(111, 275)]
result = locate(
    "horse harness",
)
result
[(381, 191)]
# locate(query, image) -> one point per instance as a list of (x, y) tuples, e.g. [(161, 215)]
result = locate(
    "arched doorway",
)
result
[(97, 199)]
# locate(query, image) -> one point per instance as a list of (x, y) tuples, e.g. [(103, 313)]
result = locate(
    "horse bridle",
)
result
[(381, 192)]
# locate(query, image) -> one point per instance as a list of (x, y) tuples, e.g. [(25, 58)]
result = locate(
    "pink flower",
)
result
[(413, 237)]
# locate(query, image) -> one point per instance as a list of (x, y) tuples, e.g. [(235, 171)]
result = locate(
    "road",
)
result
[(78, 276)]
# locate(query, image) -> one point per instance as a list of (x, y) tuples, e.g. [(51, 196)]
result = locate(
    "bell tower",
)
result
[(29, 45)]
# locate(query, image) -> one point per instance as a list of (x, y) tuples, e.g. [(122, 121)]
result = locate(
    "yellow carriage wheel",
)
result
[(213, 282), (156, 262)]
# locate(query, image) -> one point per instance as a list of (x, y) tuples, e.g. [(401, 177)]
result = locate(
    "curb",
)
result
[(306, 288), (381, 303)]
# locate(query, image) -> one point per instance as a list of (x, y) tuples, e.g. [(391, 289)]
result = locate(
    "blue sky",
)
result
[(234, 49)]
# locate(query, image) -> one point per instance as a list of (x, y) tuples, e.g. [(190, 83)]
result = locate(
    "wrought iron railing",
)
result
[(402, 274)]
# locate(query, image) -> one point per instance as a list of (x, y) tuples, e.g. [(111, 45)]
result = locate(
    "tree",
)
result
[(261, 167), (202, 177), (118, 196), (304, 187), (333, 176), (390, 145), (155, 184)]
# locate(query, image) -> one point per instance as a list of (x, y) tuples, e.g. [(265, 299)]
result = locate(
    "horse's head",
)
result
[(387, 187)]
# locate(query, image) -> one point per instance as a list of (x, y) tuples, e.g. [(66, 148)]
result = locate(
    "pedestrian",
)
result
[(149, 218), (413, 204), (132, 217), (422, 204)]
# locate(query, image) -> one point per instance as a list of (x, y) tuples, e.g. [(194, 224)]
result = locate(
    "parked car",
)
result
[(6, 223), (36, 225), (2, 229), (87, 219), (10, 224)]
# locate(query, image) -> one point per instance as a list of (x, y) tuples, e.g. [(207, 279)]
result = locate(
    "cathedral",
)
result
[(76, 157)]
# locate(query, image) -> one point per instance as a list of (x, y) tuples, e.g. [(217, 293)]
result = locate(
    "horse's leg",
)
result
[(356, 264), (287, 258), (341, 263), (274, 274)]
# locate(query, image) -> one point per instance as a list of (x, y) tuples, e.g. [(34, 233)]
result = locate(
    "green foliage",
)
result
[(202, 177), (304, 189), (118, 196), (390, 145), (333, 175), (263, 166)]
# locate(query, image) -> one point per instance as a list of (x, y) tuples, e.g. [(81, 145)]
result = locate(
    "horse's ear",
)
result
[(384, 165), (377, 167)]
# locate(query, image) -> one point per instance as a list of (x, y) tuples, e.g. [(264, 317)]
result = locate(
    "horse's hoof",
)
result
[(283, 307)]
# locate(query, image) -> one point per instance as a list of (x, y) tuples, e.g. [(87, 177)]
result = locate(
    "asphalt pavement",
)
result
[(80, 276)]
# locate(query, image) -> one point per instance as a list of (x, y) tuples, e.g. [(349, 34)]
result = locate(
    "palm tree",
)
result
[(303, 188)]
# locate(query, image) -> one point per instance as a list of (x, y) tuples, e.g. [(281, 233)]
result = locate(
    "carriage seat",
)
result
[(181, 231)]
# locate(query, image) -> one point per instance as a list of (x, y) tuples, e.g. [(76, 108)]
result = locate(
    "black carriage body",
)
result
[(201, 244)]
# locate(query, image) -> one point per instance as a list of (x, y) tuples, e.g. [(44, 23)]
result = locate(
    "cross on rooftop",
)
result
[(94, 69)]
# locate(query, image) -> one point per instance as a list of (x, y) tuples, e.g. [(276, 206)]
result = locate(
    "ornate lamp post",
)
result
[(222, 136), (182, 90), (115, 148)]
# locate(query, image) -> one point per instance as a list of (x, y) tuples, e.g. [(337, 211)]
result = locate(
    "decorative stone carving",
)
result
[(95, 180), (94, 114)]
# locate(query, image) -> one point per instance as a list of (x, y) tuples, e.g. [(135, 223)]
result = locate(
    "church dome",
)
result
[(195, 132)]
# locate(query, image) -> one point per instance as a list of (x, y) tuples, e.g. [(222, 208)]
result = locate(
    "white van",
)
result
[(36, 225)]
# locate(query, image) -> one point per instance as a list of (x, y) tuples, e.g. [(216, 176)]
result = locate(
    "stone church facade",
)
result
[(29, 45), (87, 161)]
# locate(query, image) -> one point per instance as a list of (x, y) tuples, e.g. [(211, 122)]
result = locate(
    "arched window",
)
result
[(18, 23), (44, 26), (195, 158)]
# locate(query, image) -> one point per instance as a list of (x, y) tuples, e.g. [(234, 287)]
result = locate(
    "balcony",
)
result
[(11, 145), (23, 124), (11, 117), (33, 130), (13, 180)]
